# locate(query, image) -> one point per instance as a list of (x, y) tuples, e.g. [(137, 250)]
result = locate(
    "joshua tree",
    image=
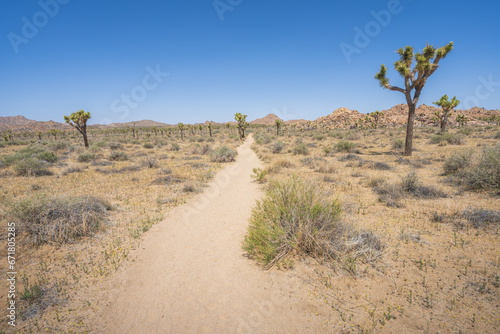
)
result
[(228, 125), (200, 127), (447, 107), (461, 120), (376, 116), (54, 133), (242, 124), (39, 134), (78, 120), (426, 64), (210, 128), (278, 123), (181, 129)]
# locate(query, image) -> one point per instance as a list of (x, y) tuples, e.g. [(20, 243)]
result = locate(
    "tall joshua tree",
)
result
[(242, 123), (447, 107), (278, 123), (181, 129), (210, 128), (375, 117), (78, 120), (426, 63)]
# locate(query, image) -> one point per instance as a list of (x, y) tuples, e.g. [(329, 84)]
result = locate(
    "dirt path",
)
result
[(191, 275)]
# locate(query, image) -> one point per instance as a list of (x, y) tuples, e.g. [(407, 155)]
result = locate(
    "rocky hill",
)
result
[(21, 123), (268, 120), (424, 115), (340, 118)]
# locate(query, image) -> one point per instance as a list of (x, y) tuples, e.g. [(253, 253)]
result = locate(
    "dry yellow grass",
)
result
[(433, 276)]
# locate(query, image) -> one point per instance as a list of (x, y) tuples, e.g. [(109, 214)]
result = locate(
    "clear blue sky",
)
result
[(249, 56)]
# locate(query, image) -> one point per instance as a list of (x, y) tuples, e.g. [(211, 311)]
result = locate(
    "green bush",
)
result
[(148, 145), (32, 167), (36, 152), (86, 157), (345, 146), (115, 146), (223, 154), (294, 215), (398, 144), (479, 170), (118, 156), (47, 156), (447, 138), (175, 147), (58, 219), (300, 148), (278, 147)]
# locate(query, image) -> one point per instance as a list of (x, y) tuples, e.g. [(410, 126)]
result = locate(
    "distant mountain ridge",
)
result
[(339, 118)]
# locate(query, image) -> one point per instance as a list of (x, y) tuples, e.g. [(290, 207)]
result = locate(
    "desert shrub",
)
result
[(457, 161), (166, 180), (294, 215), (47, 156), (277, 147), (299, 215), (189, 188), (223, 154), (31, 152), (149, 162), (165, 171), (32, 167), (478, 217), (379, 165), (100, 144), (411, 185), (345, 146), (350, 157), (397, 144), (69, 170), (323, 167), (59, 219), (174, 147), (319, 137), (447, 138), (86, 157), (476, 170), (115, 146), (201, 149), (118, 156), (497, 136), (59, 146), (300, 148), (389, 193), (148, 145), (466, 131)]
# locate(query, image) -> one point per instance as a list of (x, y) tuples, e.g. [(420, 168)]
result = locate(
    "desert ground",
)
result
[(161, 234)]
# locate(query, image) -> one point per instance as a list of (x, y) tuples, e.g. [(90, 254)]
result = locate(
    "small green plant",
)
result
[(345, 146), (86, 157), (32, 167), (397, 144), (277, 147), (223, 154), (300, 148), (174, 147), (148, 145), (118, 156), (259, 174)]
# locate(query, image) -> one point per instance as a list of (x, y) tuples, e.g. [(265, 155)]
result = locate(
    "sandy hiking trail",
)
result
[(191, 274)]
